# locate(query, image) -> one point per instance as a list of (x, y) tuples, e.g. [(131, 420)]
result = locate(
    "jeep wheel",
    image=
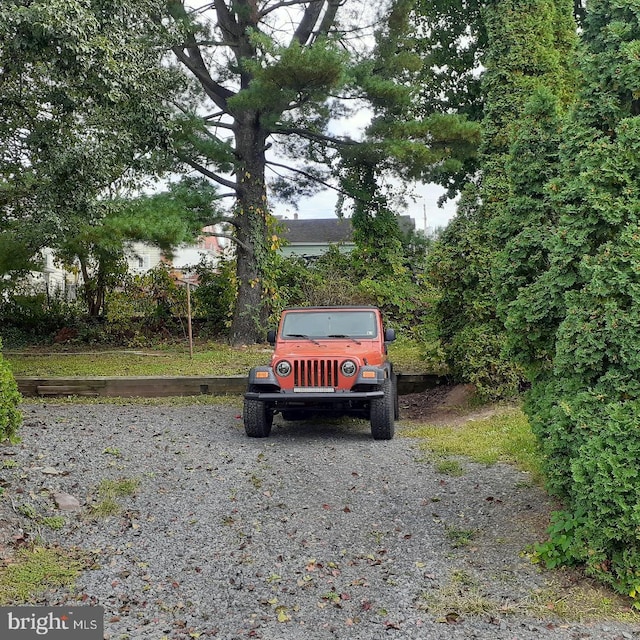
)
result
[(257, 419), (382, 413)]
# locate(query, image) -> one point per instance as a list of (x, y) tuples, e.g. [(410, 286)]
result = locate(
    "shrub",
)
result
[(215, 295), (10, 416), (586, 405), (476, 355), (29, 317)]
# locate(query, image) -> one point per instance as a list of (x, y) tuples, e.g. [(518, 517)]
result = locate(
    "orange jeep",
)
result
[(328, 360)]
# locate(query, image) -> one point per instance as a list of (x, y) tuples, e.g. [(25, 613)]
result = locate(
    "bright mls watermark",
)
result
[(53, 623)]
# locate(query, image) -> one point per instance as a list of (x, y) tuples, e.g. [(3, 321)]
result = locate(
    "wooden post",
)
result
[(189, 320)]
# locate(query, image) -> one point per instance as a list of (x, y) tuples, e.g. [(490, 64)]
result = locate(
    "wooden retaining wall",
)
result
[(158, 386)]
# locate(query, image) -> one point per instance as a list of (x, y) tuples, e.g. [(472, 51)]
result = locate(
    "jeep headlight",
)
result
[(349, 368), (283, 368)]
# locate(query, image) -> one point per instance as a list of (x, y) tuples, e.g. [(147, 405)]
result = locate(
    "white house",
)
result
[(141, 257)]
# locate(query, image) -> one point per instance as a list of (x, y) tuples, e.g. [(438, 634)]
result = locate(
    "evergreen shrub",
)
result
[(585, 407), (10, 416)]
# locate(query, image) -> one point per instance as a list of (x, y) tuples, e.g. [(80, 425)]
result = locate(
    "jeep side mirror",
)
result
[(389, 335), (271, 337)]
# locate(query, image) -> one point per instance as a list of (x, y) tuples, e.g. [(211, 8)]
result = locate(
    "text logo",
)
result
[(52, 623)]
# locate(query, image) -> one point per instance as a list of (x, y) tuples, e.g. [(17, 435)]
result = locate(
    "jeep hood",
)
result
[(368, 350)]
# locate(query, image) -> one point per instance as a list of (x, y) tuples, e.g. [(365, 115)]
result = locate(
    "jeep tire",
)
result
[(382, 413), (257, 419)]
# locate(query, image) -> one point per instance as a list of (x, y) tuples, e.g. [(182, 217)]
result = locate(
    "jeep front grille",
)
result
[(315, 373)]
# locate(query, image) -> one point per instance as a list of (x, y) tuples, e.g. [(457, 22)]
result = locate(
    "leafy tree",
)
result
[(265, 87), (215, 295), (424, 87), (165, 219), (528, 224), (584, 407), (82, 107)]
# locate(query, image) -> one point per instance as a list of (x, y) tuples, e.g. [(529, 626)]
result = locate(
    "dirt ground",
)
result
[(443, 405)]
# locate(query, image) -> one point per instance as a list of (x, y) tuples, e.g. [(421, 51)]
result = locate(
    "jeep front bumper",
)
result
[(294, 398)]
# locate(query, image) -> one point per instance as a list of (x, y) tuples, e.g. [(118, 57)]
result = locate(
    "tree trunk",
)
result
[(251, 229), (90, 290)]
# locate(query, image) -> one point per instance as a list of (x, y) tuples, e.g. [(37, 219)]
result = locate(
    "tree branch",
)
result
[(308, 21), (209, 174), (215, 91), (329, 18), (226, 21), (310, 135), (279, 5), (229, 237), (310, 176)]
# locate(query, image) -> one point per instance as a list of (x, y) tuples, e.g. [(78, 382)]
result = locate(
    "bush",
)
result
[(476, 355), (10, 416), (29, 317), (144, 308), (215, 295)]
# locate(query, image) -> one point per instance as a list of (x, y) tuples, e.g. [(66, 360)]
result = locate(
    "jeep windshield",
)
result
[(350, 324)]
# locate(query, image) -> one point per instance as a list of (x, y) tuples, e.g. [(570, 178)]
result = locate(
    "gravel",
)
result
[(317, 532)]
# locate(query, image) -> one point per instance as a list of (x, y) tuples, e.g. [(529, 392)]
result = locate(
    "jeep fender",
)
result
[(373, 375), (263, 376)]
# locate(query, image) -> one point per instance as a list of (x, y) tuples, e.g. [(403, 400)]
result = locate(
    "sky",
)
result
[(424, 208)]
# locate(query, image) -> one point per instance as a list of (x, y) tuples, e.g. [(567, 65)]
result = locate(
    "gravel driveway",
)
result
[(317, 532)]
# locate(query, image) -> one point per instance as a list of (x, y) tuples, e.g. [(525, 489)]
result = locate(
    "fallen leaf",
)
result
[(283, 616)]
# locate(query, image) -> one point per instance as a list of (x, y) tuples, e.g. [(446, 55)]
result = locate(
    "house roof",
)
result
[(327, 230), (324, 231)]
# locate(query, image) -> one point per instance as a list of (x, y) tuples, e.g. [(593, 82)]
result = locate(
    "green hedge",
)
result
[(10, 416)]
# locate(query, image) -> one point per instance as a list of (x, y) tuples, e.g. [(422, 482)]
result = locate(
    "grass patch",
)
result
[(503, 437), (172, 401), (460, 537), (411, 356), (582, 601), (53, 522), (108, 492), (211, 359), (462, 595), (29, 511), (449, 467), (35, 570)]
